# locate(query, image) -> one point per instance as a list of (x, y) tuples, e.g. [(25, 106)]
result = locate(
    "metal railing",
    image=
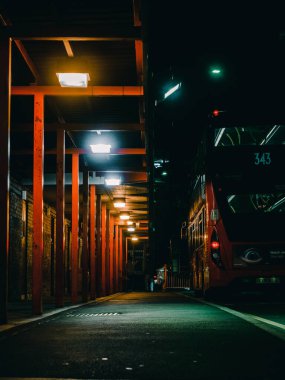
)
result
[(177, 280)]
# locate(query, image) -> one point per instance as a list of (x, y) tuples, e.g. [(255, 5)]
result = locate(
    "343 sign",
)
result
[(262, 158)]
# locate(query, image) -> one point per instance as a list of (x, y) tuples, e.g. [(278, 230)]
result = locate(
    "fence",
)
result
[(177, 280)]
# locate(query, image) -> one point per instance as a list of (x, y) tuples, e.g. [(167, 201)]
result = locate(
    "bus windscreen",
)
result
[(249, 135)]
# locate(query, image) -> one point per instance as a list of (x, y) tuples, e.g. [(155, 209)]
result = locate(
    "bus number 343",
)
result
[(262, 158)]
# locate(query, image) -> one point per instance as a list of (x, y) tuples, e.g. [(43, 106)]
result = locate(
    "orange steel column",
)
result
[(111, 260), (103, 255), (60, 203), (92, 242), (107, 255), (5, 101), (38, 202), (85, 248), (121, 259), (98, 261), (116, 254), (74, 228)]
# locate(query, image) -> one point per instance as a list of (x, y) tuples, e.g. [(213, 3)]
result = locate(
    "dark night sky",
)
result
[(185, 39)]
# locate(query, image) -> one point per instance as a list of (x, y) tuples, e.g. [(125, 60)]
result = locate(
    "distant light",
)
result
[(73, 79), (131, 229), (112, 181), (216, 113), (124, 216), (172, 90), (119, 203), (134, 238), (129, 222), (101, 148), (216, 72), (164, 173)]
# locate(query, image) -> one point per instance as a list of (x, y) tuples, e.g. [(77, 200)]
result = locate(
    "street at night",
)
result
[(143, 335)]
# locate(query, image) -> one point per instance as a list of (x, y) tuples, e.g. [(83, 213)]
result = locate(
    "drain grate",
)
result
[(84, 315)]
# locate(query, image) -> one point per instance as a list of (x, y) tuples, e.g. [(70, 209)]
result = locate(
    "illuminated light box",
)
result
[(73, 79), (101, 148)]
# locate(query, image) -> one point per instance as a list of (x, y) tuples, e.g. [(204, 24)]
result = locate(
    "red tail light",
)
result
[(215, 250), (215, 244)]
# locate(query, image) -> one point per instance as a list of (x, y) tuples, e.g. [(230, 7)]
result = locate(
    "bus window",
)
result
[(256, 203)]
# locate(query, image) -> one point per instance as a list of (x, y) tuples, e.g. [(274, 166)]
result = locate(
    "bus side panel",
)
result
[(218, 276)]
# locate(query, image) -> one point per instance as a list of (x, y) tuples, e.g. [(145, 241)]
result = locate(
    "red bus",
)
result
[(236, 222)]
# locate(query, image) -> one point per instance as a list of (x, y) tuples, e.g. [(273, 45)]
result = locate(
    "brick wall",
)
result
[(21, 242)]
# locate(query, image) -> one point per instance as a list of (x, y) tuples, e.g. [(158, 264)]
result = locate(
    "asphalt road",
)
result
[(149, 336)]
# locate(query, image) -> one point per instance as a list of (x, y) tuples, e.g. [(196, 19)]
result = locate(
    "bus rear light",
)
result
[(215, 244), (215, 249)]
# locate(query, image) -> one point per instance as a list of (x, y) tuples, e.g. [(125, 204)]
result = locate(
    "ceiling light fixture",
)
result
[(100, 148), (172, 90), (73, 79), (112, 181), (124, 216), (131, 229), (135, 238), (119, 202)]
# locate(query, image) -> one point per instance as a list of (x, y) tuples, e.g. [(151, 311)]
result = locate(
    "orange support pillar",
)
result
[(103, 255), (92, 242), (38, 202), (107, 255), (85, 248), (121, 259), (5, 100), (60, 203), (74, 227), (111, 261), (116, 255), (98, 262)]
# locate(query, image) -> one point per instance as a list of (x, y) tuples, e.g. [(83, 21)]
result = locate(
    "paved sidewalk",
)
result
[(20, 313)]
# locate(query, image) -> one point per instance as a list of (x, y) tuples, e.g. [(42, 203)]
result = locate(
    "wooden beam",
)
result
[(70, 91)]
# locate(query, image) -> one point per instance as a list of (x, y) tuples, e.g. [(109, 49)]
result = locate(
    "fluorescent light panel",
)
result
[(172, 90), (101, 148), (124, 216), (119, 203), (112, 181), (73, 79)]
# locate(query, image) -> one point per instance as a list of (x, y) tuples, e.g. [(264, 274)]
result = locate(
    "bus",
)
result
[(236, 222)]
